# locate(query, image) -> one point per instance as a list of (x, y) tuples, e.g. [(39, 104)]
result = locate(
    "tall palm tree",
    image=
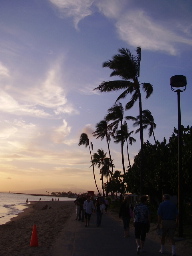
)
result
[(147, 122), (119, 138), (127, 66), (114, 118), (129, 139), (99, 160), (105, 169), (102, 131), (84, 140), (105, 172)]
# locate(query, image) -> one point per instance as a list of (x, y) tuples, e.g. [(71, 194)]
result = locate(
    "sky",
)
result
[(51, 56)]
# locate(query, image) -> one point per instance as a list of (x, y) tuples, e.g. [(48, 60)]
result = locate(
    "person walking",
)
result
[(141, 216), (100, 209), (88, 207), (168, 219), (81, 210), (125, 214)]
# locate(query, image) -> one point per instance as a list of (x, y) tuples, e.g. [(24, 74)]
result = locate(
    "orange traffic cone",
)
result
[(34, 239)]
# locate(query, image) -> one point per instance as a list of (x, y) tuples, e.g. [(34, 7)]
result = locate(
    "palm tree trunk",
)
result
[(141, 120), (122, 157), (93, 170), (141, 139), (102, 184), (154, 137), (122, 153), (109, 154), (128, 157)]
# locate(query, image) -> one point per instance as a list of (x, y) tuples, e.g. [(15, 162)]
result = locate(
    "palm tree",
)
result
[(129, 139), (102, 131), (105, 169), (148, 121), (99, 160), (84, 140), (115, 116), (127, 66)]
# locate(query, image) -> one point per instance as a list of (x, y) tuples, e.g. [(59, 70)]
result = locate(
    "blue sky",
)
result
[(51, 55)]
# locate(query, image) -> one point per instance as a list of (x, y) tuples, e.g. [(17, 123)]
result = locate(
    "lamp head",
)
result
[(178, 82)]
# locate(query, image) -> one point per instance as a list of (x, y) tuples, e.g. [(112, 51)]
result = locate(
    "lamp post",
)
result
[(178, 84)]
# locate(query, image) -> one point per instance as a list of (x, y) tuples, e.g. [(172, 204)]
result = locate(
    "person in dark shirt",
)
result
[(100, 208), (124, 213), (141, 222), (167, 218)]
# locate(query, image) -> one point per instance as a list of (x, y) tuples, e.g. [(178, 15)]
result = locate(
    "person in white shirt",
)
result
[(88, 207)]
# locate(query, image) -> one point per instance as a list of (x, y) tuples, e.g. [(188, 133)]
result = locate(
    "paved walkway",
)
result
[(107, 240)]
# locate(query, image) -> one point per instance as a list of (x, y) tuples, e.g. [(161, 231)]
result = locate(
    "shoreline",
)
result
[(26, 211), (13, 204), (40, 194), (49, 217)]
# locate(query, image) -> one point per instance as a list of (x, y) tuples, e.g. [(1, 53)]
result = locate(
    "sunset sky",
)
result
[(51, 56)]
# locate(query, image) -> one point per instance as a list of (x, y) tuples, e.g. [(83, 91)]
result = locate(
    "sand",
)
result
[(49, 218)]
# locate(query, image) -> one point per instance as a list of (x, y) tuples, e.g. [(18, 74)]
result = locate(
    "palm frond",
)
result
[(131, 140), (112, 85), (84, 140), (137, 130), (148, 88), (134, 98), (123, 64), (132, 118), (101, 130)]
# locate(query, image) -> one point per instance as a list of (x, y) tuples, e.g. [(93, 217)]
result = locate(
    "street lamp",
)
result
[(178, 84)]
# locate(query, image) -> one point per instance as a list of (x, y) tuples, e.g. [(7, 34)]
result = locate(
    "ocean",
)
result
[(12, 204)]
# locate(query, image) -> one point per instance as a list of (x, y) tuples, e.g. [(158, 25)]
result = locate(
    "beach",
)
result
[(49, 218)]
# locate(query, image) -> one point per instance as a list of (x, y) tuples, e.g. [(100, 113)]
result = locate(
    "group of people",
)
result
[(167, 221), (85, 206), (140, 213)]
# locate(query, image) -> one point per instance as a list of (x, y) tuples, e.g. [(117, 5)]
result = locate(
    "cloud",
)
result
[(88, 129), (69, 109), (140, 27), (39, 97), (15, 136), (48, 93), (61, 132), (78, 9), (7, 132), (11, 106), (145, 32), (51, 92), (136, 26), (4, 71), (111, 8), (15, 128)]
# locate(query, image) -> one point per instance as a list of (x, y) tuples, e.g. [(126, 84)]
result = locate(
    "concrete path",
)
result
[(107, 240)]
